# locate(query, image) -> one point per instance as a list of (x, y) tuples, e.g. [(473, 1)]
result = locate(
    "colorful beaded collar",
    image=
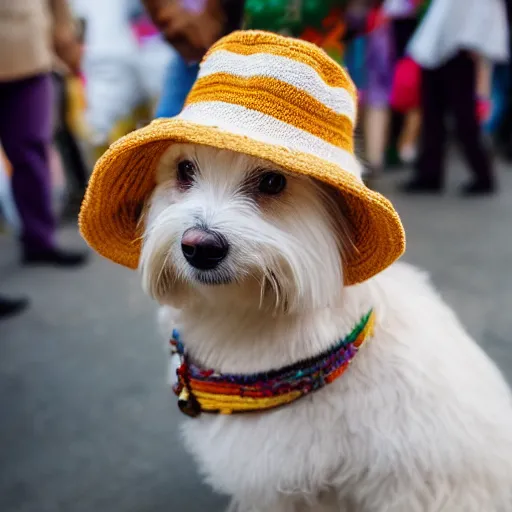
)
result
[(202, 390)]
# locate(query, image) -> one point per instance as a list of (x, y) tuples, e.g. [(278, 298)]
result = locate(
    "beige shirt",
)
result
[(27, 28)]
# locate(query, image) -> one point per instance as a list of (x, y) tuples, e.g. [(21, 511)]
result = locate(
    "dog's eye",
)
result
[(272, 183), (186, 172)]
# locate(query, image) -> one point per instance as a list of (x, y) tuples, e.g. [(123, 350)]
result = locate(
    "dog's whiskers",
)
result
[(276, 286), (262, 291)]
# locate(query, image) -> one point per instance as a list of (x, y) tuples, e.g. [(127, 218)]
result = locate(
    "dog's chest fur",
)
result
[(406, 416), (304, 448)]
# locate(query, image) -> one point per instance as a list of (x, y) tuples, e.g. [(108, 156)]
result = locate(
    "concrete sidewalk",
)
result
[(87, 422)]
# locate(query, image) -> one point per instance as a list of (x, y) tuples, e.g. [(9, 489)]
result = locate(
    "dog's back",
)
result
[(436, 411)]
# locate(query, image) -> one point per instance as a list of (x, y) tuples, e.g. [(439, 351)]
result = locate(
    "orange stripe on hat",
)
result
[(279, 100)]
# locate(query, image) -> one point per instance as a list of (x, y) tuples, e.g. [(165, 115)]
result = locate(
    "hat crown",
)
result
[(277, 90)]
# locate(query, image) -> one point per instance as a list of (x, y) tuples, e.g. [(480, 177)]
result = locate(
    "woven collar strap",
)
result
[(203, 390)]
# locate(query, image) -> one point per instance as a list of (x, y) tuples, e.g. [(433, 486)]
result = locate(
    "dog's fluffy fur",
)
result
[(421, 421)]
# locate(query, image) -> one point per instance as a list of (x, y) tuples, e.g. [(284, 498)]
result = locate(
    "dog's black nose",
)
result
[(203, 249)]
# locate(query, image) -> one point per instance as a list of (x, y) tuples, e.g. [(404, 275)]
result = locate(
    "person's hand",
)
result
[(191, 30), (69, 51)]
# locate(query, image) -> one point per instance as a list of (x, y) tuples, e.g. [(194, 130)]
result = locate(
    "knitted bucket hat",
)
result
[(267, 96)]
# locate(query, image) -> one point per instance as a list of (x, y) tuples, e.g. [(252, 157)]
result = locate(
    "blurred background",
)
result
[(86, 420)]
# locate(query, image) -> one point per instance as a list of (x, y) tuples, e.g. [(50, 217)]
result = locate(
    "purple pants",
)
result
[(379, 67), (25, 135)]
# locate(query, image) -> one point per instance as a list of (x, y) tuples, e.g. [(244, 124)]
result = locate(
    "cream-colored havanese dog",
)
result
[(319, 374), (250, 259)]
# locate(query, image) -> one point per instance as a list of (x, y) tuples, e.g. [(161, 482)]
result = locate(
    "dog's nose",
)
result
[(203, 249)]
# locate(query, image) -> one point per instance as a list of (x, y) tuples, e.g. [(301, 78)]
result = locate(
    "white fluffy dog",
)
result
[(422, 419)]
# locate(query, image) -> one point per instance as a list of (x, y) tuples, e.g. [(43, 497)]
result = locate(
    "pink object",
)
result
[(144, 29), (406, 88), (483, 109)]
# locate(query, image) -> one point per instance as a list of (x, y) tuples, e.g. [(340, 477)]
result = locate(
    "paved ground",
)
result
[(87, 424)]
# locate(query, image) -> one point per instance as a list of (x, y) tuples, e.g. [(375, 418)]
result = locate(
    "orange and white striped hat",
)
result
[(272, 97)]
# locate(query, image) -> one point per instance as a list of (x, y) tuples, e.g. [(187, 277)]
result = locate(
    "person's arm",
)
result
[(65, 40)]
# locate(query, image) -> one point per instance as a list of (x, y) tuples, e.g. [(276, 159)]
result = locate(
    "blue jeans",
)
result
[(179, 79), (499, 96)]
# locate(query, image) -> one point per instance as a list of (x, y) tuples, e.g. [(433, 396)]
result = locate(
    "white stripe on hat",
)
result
[(287, 70), (264, 128)]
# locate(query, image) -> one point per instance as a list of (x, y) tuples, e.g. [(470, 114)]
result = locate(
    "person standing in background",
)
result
[(31, 32), (191, 27), (393, 22), (451, 41)]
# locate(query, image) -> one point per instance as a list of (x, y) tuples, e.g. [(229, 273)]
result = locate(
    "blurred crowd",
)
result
[(76, 75)]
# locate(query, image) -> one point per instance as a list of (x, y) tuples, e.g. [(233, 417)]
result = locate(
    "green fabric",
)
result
[(424, 8), (288, 16)]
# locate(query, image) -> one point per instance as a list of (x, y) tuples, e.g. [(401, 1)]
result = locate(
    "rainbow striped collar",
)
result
[(201, 390)]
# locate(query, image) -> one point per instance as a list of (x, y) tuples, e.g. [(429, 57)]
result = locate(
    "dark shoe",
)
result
[(478, 188), (419, 187), (11, 307), (57, 257)]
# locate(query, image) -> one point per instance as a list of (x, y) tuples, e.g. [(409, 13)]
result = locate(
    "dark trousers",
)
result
[(25, 134), (451, 88), (65, 140)]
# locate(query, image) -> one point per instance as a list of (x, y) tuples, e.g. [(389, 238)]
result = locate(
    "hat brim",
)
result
[(124, 178)]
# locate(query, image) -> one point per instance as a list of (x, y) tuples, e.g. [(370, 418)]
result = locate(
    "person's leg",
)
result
[(379, 57), (25, 132), (66, 142), (460, 85), (430, 168), (405, 127), (408, 140), (376, 126)]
